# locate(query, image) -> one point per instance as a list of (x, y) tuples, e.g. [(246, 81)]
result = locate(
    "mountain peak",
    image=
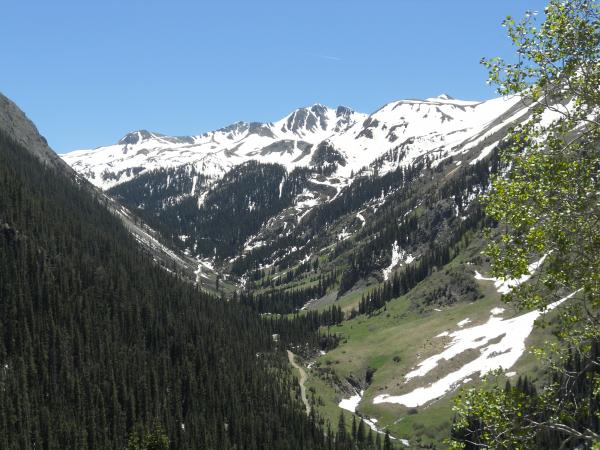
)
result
[(343, 111), (237, 127), (441, 97), (306, 119), (137, 137), (290, 141), (319, 109)]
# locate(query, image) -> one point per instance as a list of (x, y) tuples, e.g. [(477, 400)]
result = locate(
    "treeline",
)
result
[(273, 278), (97, 341), (361, 190), (285, 301), (232, 210), (314, 226), (302, 332), (436, 232), (276, 249), (412, 274), (155, 190), (237, 206)]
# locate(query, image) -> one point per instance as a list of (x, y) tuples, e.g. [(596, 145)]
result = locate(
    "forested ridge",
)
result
[(252, 191), (99, 345), (383, 285)]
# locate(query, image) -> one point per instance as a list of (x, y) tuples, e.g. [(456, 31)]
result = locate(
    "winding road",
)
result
[(302, 380)]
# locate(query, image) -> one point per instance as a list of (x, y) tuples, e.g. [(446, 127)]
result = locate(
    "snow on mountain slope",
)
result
[(287, 142), (499, 343), (436, 126)]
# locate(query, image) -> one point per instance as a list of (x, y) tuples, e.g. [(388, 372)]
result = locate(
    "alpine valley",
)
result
[(357, 237), (255, 195)]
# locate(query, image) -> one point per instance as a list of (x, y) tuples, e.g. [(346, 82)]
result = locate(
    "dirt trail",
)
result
[(302, 380)]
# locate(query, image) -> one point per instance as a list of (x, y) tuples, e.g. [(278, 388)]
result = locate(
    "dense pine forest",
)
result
[(100, 348), (425, 275), (252, 191)]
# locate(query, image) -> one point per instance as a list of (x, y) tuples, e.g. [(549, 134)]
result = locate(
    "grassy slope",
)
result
[(393, 342)]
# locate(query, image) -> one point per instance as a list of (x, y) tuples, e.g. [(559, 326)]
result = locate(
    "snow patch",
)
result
[(201, 199), (306, 205), (504, 286), (204, 266), (438, 127), (399, 256), (343, 235), (360, 217), (485, 152), (251, 246), (463, 322), (350, 404), (503, 354)]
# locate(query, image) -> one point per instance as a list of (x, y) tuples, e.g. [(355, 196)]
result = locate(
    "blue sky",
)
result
[(88, 72)]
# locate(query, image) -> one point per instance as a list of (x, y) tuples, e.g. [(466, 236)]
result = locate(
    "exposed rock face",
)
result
[(140, 136), (17, 125), (307, 119), (261, 129), (286, 146), (399, 133), (135, 137), (344, 118)]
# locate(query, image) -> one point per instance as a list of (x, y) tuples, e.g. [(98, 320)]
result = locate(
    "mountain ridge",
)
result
[(22, 130), (290, 141), (179, 187)]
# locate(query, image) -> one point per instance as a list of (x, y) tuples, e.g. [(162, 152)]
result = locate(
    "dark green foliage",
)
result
[(151, 192), (457, 285), (284, 301), (302, 332), (575, 384), (435, 231), (155, 439), (325, 154), (438, 233), (97, 343), (315, 225), (361, 190), (232, 210)]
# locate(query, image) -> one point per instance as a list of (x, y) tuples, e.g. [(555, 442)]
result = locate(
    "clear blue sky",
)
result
[(88, 72)]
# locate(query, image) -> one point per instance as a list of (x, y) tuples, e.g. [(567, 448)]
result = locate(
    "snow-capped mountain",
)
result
[(288, 141), (436, 127)]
